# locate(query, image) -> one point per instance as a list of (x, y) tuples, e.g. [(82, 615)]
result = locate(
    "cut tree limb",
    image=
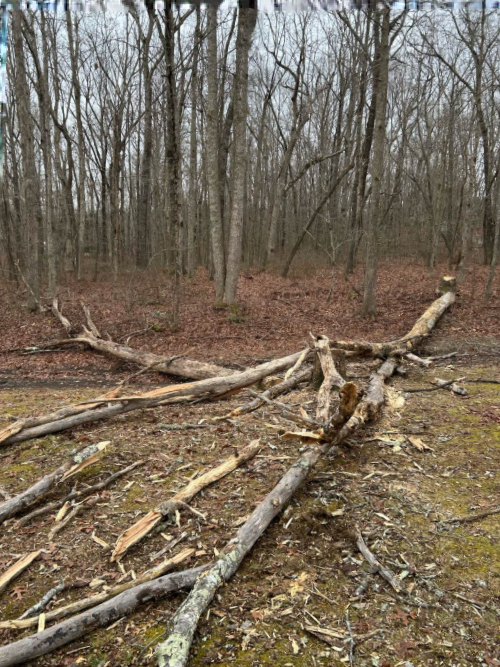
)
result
[(376, 566), (24, 650), (283, 387), (89, 490), (91, 411), (452, 386), (77, 463), (144, 526), (419, 332), (95, 600)]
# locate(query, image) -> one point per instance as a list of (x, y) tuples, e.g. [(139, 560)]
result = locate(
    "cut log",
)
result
[(174, 652), (426, 363), (24, 650), (77, 463), (451, 386), (91, 411), (447, 284), (144, 526), (73, 495), (94, 600), (17, 569)]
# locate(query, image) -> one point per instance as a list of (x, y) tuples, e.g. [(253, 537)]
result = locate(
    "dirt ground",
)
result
[(431, 456)]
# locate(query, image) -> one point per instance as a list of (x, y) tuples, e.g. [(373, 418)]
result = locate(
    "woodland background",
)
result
[(237, 140)]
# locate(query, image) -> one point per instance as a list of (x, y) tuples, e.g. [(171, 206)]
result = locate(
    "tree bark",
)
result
[(247, 19), (24, 650), (216, 230), (381, 81)]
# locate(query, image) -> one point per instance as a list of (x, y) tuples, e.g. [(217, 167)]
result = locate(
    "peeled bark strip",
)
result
[(94, 600), (20, 652), (77, 463), (174, 652), (144, 526), (90, 411), (17, 569), (78, 494)]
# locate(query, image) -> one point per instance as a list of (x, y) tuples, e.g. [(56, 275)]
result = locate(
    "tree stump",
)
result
[(447, 284)]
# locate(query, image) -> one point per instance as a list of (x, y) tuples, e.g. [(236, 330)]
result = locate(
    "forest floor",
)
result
[(306, 569)]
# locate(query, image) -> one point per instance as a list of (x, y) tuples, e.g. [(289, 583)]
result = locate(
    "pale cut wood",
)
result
[(94, 600), (144, 526), (426, 363), (24, 650), (331, 378), (77, 463), (90, 412), (17, 569)]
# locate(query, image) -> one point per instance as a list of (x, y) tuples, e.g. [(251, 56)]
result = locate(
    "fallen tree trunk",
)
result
[(91, 411), (176, 365), (174, 652), (77, 463), (20, 652), (419, 332), (144, 526)]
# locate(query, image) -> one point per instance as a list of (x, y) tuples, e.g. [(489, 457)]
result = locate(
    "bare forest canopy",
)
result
[(226, 138)]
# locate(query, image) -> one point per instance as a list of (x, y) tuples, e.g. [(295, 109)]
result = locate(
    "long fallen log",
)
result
[(174, 652), (175, 365), (144, 526), (24, 650), (75, 464), (91, 410), (94, 600), (418, 333)]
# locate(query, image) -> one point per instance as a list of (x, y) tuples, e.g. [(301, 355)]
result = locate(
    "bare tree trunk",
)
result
[(193, 152), (381, 82), (247, 19), (29, 191), (216, 230)]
